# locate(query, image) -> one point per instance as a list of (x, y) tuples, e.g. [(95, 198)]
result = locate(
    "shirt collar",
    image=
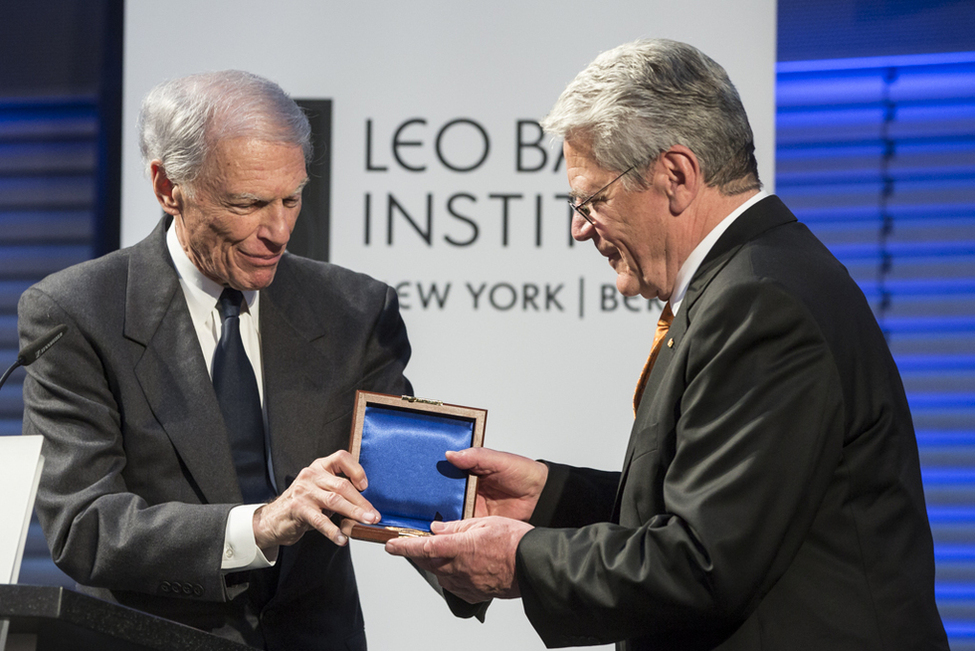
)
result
[(201, 292), (694, 260)]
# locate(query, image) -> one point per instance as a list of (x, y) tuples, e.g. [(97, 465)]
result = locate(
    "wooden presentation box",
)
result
[(401, 443)]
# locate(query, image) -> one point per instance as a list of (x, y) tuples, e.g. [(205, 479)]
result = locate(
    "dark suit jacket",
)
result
[(138, 477), (771, 493)]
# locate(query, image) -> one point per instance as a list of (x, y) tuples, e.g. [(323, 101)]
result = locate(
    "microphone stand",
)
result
[(34, 350), (7, 373)]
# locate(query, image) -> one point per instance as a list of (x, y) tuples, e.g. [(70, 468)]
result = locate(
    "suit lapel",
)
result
[(295, 384), (674, 336), (172, 371), (295, 375), (767, 213)]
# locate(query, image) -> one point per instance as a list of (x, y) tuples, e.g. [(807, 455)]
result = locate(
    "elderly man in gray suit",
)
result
[(196, 413)]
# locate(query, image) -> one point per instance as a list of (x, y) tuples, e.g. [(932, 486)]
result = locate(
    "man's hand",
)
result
[(328, 486), (474, 559), (508, 485)]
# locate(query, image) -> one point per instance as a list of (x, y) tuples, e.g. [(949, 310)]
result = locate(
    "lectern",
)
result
[(49, 618), (46, 618)]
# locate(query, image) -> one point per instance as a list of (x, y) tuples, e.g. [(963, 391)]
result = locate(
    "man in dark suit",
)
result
[(146, 497), (770, 497)]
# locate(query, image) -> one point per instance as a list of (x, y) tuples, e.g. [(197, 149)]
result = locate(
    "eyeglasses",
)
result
[(583, 208)]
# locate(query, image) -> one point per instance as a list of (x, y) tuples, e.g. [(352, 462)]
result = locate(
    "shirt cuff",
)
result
[(240, 551)]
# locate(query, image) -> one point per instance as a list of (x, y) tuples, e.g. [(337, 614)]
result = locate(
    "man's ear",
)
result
[(683, 180), (168, 194)]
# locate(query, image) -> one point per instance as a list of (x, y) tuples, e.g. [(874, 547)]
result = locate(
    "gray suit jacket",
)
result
[(139, 479), (770, 497)]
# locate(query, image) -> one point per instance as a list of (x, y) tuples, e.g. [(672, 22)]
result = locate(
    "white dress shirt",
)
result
[(202, 294)]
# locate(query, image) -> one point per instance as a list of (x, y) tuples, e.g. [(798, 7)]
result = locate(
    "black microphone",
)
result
[(34, 350)]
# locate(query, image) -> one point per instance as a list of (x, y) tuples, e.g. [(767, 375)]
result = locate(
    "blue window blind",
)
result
[(877, 157), (48, 164)]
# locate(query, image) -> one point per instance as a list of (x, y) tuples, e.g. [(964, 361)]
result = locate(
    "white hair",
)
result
[(637, 100), (182, 119)]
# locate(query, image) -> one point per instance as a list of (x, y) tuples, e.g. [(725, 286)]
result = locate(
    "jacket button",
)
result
[(165, 587)]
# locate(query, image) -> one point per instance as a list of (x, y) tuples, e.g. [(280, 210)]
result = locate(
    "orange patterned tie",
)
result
[(663, 325)]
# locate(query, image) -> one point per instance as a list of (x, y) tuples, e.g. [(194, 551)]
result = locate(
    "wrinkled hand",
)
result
[(474, 558), (508, 484), (329, 486)]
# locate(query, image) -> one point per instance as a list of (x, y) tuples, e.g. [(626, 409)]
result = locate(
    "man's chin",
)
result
[(255, 281), (628, 286)]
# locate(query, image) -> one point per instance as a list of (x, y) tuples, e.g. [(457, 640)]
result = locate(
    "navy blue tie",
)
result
[(240, 403)]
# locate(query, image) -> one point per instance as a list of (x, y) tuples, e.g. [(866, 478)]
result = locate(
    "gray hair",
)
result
[(182, 119), (637, 100)]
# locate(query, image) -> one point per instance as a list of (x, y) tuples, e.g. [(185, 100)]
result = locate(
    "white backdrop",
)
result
[(502, 312)]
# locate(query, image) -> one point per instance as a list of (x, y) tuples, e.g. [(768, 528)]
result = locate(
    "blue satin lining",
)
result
[(410, 480)]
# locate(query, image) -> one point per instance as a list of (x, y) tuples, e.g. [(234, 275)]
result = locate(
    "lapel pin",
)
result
[(670, 343)]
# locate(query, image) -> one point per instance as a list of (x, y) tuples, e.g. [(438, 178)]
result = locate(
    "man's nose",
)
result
[(279, 222), (581, 229)]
